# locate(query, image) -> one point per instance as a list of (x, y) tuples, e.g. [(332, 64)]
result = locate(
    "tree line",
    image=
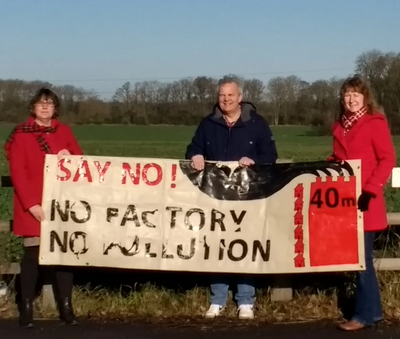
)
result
[(282, 101)]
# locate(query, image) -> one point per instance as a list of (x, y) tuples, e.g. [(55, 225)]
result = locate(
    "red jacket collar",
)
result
[(31, 121), (337, 126)]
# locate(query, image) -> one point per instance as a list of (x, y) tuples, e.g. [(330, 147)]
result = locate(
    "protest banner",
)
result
[(162, 214)]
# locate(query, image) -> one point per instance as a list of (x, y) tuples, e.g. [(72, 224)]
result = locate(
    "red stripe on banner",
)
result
[(299, 260), (332, 222)]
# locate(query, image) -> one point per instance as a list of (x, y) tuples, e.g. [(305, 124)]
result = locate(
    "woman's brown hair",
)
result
[(359, 85), (47, 94)]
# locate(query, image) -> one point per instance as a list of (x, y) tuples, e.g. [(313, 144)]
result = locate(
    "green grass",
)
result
[(164, 142), (152, 142), (171, 142), (295, 142)]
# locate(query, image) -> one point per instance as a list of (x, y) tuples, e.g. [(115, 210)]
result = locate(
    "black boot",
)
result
[(67, 313), (26, 313)]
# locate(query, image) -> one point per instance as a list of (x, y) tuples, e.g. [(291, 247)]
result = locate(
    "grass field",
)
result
[(171, 142), (165, 142), (297, 143)]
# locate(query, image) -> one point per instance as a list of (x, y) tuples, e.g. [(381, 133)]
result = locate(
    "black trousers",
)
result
[(62, 277)]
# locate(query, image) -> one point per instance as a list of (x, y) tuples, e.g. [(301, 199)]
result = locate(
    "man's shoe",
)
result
[(246, 312), (214, 311)]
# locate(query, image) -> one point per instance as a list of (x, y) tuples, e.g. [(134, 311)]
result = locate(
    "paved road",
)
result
[(190, 329)]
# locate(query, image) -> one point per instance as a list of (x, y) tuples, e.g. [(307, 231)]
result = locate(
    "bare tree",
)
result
[(276, 95), (253, 91), (124, 95), (284, 100)]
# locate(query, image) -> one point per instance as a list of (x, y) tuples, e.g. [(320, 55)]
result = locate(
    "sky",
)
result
[(101, 44)]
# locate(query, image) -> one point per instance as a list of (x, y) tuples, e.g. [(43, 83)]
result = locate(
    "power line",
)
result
[(194, 76)]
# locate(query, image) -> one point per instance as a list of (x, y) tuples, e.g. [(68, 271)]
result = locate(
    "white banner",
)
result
[(161, 214)]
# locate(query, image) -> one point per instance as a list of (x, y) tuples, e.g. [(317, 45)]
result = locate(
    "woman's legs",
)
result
[(368, 308), (62, 283), (29, 275), (64, 280)]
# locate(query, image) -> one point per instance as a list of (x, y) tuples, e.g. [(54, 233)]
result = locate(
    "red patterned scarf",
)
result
[(349, 122), (31, 126)]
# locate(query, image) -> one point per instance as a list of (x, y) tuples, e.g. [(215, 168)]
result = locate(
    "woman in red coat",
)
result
[(363, 133), (25, 149)]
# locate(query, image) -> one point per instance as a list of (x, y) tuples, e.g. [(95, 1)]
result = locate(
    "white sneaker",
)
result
[(214, 311), (246, 312)]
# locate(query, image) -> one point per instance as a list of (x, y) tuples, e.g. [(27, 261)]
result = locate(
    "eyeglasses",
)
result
[(44, 103)]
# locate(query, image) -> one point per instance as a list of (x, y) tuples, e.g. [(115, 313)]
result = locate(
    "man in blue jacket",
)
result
[(232, 132)]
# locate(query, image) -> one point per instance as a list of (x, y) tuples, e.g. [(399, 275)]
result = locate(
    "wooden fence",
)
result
[(13, 268), (282, 286)]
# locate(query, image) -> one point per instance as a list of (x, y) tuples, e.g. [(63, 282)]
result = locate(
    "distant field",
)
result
[(171, 142), (296, 142)]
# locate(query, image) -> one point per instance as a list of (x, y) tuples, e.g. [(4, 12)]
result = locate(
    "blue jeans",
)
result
[(245, 290), (368, 308)]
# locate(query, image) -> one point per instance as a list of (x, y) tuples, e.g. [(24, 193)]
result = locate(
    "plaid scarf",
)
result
[(349, 122), (31, 126)]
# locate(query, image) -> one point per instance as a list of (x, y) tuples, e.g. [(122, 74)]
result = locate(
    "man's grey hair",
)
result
[(229, 80)]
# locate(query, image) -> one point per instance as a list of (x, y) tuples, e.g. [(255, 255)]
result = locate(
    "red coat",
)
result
[(26, 163), (369, 140)]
